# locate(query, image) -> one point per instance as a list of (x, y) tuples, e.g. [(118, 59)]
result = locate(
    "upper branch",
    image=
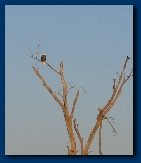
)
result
[(64, 85), (46, 64), (116, 87), (117, 95)]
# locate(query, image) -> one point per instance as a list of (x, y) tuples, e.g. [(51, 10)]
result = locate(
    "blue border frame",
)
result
[(137, 50)]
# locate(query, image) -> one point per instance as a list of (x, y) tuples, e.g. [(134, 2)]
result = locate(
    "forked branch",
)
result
[(113, 101), (102, 112), (47, 87), (116, 87)]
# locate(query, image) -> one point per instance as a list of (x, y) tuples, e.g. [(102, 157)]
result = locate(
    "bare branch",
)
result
[(116, 87), (64, 85), (66, 113), (74, 104), (48, 88), (52, 68), (113, 101), (78, 134)]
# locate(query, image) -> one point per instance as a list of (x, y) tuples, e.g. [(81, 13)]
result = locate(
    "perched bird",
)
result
[(114, 83), (128, 57), (43, 58)]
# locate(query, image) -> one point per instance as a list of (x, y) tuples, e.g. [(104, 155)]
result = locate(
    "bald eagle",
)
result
[(43, 58)]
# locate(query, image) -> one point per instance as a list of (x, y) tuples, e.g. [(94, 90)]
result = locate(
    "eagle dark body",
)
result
[(43, 58)]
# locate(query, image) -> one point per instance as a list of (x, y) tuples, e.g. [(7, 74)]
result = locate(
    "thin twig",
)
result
[(70, 88), (107, 118)]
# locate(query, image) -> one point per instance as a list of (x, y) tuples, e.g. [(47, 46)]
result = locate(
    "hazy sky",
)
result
[(93, 42)]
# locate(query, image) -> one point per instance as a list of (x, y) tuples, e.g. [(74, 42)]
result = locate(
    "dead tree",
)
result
[(70, 121)]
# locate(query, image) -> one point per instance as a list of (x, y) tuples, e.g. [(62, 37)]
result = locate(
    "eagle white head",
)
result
[(43, 58)]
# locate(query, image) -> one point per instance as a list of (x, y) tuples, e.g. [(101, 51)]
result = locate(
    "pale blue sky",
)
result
[(93, 42)]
